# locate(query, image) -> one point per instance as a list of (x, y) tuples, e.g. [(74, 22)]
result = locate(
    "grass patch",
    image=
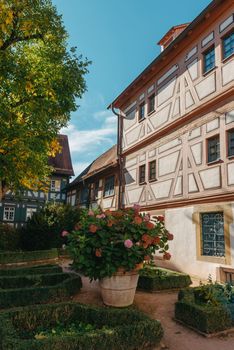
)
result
[(74, 326), (155, 279)]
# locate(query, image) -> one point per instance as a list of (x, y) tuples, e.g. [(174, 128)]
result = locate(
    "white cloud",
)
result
[(87, 140)]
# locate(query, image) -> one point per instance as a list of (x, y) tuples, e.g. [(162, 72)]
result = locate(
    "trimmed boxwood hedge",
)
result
[(128, 329), (155, 279), (37, 280), (20, 257), (205, 318), (37, 289), (41, 269)]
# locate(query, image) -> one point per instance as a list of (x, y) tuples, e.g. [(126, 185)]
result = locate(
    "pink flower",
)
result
[(64, 233), (146, 217), (128, 243), (137, 208), (101, 216), (90, 213)]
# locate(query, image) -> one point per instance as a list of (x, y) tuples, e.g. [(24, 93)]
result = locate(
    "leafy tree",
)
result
[(40, 80)]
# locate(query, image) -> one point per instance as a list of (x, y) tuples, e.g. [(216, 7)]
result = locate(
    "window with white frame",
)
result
[(29, 212), (9, 213)]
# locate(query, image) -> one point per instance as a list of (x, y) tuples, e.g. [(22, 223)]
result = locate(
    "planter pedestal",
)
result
[(119, 290)]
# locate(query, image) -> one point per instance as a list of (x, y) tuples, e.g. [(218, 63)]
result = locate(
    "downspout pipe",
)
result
[(119, 154)]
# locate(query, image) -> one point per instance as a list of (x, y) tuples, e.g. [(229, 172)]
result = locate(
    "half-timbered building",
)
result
[(16, 211), (98, 184), (176, 141)]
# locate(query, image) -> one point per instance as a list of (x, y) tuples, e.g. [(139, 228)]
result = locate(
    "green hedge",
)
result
[(35, 280), (41, 269), (156, 279), (18, 257), (58, 287), (205, 318), (128, 329)]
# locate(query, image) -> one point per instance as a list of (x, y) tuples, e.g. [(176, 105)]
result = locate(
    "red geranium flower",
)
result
[(156, 240), (138, 220), (167, 256), (149, 225), (110, 223), (170, 236), (93, 228), (98, 253), (160, 218)]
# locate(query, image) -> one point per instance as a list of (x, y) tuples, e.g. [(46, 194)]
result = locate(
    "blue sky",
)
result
[(119, 37)]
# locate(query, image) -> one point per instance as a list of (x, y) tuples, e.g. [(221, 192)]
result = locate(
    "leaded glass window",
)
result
[(213, 149), (213, 242), (209, 59), (228, 45)]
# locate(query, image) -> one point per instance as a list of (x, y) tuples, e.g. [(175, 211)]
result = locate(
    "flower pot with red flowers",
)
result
[(111, 246)]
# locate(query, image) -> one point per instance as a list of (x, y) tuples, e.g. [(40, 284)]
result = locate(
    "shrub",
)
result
[(35, 280), (43, 230), (155, 279), (104, 242), (206, 319), (41, 269), (9, 238), (124, 329), (48, 288), (204, 308), (20, 257)]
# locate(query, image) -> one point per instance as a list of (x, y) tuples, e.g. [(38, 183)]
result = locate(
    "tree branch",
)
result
[(13, 40)]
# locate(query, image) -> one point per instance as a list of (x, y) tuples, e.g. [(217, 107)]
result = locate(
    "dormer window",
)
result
[(141, 114)]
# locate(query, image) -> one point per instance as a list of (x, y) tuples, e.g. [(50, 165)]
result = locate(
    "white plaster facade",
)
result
[(191, 106)]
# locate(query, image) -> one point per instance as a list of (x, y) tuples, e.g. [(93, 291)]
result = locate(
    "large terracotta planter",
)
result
[(119, 290)]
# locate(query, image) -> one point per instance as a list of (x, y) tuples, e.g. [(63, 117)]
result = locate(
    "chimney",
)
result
[(171, 35)]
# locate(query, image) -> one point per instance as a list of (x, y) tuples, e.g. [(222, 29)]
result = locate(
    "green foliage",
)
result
[(155, 279), (38, 289), (19, 257), (112, 329), (104, 242), (9, 238), (41, 269), (40, 80), (43, 230), (206, 308)]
